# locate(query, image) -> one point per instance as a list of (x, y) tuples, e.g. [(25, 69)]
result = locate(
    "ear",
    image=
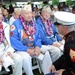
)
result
[(22, 15), (64, 27)]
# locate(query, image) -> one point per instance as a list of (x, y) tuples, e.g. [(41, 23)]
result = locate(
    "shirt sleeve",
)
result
[(38, 38), (59, 62), (15, 38)]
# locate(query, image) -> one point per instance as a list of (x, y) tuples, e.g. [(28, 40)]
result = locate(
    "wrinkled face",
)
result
[(27, 15), (72, 55), (45, 15), (17, 14)]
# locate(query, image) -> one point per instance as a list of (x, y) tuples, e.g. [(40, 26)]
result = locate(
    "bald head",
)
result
[(27, 16), (17, 12)]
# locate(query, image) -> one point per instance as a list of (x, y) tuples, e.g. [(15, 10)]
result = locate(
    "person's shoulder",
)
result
[(17, 20), (5, 24), (11, 17), (17, 23)]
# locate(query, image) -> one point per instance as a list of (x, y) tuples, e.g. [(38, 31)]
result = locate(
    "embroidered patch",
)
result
[(31, 38), (24, 35), (12, 27), (72, 55), (11, 33)]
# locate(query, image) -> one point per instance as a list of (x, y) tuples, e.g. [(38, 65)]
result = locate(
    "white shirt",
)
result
[(11, 20)]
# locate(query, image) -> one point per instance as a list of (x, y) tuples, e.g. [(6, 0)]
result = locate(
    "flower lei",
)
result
[(48, 26), (30, 30), (1, 33)]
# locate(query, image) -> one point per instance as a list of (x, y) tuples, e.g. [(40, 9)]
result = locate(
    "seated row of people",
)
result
[(30, 39)]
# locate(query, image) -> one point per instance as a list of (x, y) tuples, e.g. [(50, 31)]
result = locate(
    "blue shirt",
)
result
[(46, 39), (19, 38)]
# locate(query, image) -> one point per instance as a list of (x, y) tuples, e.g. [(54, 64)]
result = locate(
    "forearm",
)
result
[(59, 62)]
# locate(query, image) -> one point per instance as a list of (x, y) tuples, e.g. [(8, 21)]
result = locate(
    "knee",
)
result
[(57, 51), (18, 59), (27, 58)]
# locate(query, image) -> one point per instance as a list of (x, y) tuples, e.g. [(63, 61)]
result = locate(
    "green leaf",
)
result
[(69, 2), (55, 2)]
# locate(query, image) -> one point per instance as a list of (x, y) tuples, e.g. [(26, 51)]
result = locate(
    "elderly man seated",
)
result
[(25, 39), (7, 55), (51, 40)]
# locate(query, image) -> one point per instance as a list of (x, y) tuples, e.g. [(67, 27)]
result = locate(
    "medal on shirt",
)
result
[(31, 41), (30, 38)]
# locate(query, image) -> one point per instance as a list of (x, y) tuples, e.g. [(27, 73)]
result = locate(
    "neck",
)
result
[(45, 20), (27, 22)]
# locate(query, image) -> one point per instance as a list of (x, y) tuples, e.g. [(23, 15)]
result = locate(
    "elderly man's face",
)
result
[(17, 14), (27, 15), (46, 15)]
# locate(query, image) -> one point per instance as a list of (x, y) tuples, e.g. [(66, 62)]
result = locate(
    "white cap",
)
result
[(17, 9), (65, 18), (27, 8)]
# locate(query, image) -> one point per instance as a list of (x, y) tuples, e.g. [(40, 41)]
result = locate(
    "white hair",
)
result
[(46, 8)]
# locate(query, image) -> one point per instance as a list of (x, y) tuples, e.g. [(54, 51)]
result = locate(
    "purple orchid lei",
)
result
[(30, 30)]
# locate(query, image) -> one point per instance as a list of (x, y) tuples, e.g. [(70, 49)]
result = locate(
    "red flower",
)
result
[(1, 26), (11, 33)]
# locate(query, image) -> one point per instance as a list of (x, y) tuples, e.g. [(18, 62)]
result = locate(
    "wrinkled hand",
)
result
[(59, 72), (52, 68), (1, 61), (31, 52), (56, 45), (9, 54), (61, 43), (37, 51)]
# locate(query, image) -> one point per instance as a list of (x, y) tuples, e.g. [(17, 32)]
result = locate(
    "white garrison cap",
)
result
[(17, 9), (27, 7), (65, 18)]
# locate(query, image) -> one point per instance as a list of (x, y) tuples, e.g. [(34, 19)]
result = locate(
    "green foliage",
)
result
[(55, 2), (69, 2)]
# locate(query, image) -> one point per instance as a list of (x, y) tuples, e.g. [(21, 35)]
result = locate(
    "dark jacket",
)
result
[(65, 61)]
